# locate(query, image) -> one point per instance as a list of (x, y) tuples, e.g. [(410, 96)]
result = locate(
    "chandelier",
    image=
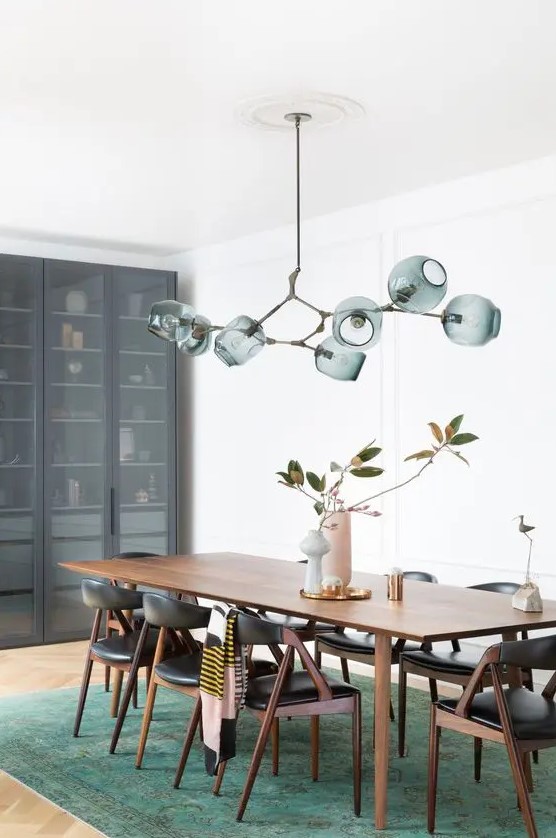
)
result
[(416, 285)]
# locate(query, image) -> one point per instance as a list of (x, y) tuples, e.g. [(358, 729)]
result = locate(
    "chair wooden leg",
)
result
[(434, 744), (131, 685), (477, 754), (148, 677), (536, 757), (83, 694), (433, 689), (402, 706), (345, 670), (315, 729), (356, 736), (318, 655), (255, 763), (116, 692), (392, 715), (107, 679), (275, 736), (526, 762), (521, 788), (146, 723), (135, 695), (189, 736)]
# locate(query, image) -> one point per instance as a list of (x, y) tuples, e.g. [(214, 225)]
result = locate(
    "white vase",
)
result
[(314, 545), (338, 561)]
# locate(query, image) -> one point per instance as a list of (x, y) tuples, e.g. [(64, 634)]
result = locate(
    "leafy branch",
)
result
[(327, 500)]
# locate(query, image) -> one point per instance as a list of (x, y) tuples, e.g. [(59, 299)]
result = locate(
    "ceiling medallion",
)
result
[(416, 285)]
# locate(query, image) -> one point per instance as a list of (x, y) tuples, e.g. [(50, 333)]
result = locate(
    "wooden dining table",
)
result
[(426, 613)]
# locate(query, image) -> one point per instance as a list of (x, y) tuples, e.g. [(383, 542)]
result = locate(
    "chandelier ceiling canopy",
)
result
[(416, 285)]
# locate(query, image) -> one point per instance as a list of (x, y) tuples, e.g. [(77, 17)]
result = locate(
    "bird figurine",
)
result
[(526, 529)]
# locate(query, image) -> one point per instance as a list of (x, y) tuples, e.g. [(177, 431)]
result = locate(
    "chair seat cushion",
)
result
[(298, 689), (120, 648), (360, 642), (456, 663), (259, 667), (533, 717), (295, 623), (183, 671)]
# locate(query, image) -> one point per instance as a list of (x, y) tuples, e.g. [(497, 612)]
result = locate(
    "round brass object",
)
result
[(347, 593)]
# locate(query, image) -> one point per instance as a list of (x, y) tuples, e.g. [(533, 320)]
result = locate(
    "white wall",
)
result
[(494, 234)]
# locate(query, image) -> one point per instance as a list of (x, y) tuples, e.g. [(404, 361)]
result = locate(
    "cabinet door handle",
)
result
[(112, 511)]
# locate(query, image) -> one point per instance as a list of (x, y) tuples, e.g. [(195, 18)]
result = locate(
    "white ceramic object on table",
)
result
[(314, 545)]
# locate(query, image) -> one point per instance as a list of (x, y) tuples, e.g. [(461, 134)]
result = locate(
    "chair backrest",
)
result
[(256, 631), (497, 587), (104, 596), (168, 612), (135, 555), (420, 576), (536, 653)]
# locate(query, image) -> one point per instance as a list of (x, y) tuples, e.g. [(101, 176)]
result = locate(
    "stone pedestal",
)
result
[(527, 598)]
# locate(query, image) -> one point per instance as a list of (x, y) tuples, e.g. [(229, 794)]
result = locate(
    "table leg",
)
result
[(383, 663), (514, 672)]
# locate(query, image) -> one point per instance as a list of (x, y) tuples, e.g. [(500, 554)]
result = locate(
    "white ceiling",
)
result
[(118, 118)]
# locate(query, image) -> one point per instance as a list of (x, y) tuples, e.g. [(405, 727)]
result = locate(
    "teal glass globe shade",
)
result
[(471, 320), (417, 284), (200, 339), (241, 340), (334, 360), (171, 320), (357, 323)]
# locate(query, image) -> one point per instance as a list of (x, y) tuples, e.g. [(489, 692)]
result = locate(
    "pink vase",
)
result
[(337, 561)]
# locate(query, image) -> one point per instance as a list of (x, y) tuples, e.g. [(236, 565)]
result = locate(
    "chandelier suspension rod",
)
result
[(298, 189)]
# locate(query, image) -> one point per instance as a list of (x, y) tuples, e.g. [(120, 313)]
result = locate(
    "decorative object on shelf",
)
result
[(152, 487), (314, 545), (4, 374), (127, 444), (327, 499), (74, 492), (67, 331), (395, 584), (135, 379), (527, 597), (416, 285), (75, 368), (76, 302), (77, 340), (141, 496), (148, 376)]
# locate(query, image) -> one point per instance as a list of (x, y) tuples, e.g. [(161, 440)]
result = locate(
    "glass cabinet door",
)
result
[(77, 447), (144, 430), (20, 467)]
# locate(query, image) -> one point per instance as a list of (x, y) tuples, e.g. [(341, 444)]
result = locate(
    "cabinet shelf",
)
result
[(76, 420), (76, 314), (140, 352), (18, 509), (72, 465), (147, 505), (136, 318), (17, 309), (71, 349), (16, 465), (22, 419), (73, 384), (6, 382), (145, 465), (141, 387), (143, 422), (79, 508), (16, 346)]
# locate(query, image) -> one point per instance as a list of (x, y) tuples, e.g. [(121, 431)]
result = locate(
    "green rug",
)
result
[(37, 747)]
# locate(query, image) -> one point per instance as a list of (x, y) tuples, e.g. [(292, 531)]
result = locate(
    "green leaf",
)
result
[(420, 455), (456, 422), (436, 432), (334, 466), (296, 472), (318, 507), (367, 471), (314, 481), (463, 439), (287, 479), (459, 456), (369, 453), (323, 483)]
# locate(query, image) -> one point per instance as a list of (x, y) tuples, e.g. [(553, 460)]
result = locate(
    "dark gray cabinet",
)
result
[(87, 434)]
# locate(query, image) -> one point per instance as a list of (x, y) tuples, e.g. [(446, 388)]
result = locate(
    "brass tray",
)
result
[(349, 593)]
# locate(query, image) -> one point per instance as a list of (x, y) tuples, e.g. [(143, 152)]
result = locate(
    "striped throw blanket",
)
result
[(222, 683)]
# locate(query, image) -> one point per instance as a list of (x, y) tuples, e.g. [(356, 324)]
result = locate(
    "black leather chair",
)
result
[(117, 651), (291, 692), (349, 645), (455, 667), (513, 716)]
